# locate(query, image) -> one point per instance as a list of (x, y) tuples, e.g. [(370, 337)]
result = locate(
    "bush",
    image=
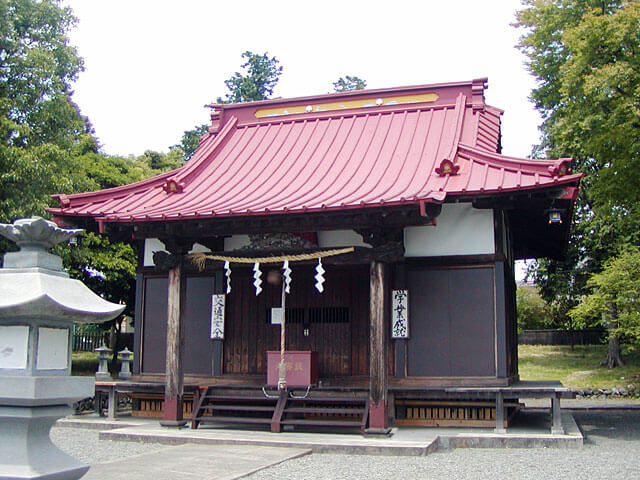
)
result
[(533, 312)]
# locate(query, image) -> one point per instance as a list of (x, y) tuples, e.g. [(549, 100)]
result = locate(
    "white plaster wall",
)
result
[(460, 230), (197, 248), (14, 344), (154, 245), (53, 348), (340, 238)]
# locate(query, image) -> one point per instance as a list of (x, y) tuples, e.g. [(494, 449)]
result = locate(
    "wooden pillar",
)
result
[(378, 375), (173, 390)]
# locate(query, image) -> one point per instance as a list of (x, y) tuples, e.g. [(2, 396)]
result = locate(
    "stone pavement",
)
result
[(195, 462), (587, 404)]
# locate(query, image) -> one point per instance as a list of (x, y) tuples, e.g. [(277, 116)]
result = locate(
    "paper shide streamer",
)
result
[(227, 273), (286, 273), (319, 276), (257, 281)]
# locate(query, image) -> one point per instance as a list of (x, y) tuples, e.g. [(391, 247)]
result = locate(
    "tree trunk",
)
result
[(613, 358), (113, 343), (613, 354)]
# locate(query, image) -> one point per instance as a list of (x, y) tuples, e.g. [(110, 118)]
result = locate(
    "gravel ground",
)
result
[(612, 450)]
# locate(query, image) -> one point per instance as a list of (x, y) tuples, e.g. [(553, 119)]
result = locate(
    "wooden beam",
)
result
[(174, 376), (378, 375), (390, 217)]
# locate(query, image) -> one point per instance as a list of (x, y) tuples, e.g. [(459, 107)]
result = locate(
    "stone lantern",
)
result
[(38, 305)]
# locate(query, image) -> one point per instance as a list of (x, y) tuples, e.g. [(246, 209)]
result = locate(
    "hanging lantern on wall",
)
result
[(555, 216)]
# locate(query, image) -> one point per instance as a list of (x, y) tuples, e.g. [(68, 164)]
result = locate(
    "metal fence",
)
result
[(589, 336), (88, 342)]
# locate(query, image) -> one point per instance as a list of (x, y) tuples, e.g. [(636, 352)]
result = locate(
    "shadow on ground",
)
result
[(612, 425)]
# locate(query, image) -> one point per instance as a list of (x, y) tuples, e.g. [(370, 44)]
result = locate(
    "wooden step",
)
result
[(248, 420), (349, 400), (226, 398), (316, 410), (240, 408), (328, 410), (322, 423)]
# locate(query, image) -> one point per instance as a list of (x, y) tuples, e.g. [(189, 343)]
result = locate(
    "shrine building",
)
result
[(387, 220)]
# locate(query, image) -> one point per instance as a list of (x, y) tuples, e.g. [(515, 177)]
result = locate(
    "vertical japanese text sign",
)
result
[(400, 314), (217, 316)]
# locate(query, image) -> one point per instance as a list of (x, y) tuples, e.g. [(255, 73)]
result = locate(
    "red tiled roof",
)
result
[(303, 155)]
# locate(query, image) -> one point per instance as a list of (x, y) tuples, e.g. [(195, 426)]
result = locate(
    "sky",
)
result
[(152, 65)]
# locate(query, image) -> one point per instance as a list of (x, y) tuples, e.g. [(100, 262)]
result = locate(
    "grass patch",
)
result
[(84, 363), (576, 368)]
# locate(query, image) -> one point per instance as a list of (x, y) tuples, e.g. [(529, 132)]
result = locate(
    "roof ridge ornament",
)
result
[(478, 86), (560, 168), (172, 186), (447, 167)]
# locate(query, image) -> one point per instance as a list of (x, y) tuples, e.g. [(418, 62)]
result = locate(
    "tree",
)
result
[(614, 302), (348, 84), (161, 162), (39, 124), (256, 83), (533, 312), (190, 141), (584, 56)]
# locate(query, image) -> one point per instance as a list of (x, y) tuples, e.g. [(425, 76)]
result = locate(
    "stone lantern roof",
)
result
[(33, 284)]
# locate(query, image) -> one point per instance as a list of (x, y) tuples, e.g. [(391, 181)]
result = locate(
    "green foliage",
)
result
[(348, 84), (256, 83), (584, 55), (615, 297), (190, 141), (39, 124), (107, 268), (37, 67), (161, 162), (533, 312)]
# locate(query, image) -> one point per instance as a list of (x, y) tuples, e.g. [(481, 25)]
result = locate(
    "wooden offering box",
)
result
[(302, 368)]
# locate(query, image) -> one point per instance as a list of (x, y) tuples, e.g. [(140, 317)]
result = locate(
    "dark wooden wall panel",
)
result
[(197, 325), (137, 324), (429, 348), (198, 346), (452, 318), (472, 322), (154, 332)]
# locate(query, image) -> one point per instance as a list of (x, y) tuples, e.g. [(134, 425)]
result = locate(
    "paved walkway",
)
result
[(586, 404), (195, 462)]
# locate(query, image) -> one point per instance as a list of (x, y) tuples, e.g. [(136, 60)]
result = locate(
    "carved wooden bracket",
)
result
[(387, 243), (166, 261), (178, 245)]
